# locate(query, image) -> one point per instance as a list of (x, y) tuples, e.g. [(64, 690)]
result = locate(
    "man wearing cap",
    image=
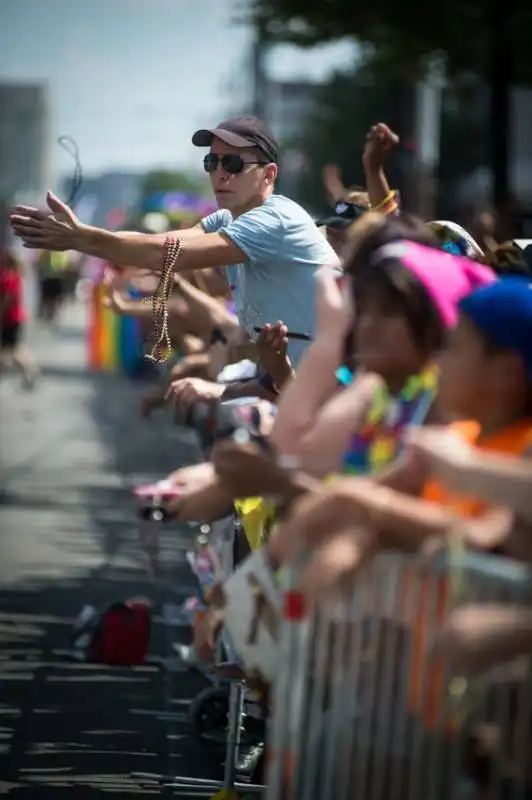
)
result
[(268, 243)]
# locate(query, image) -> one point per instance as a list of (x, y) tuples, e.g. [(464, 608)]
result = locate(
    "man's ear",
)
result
[(270, 173)]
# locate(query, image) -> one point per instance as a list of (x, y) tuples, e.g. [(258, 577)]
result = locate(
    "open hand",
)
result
[(42, 230)]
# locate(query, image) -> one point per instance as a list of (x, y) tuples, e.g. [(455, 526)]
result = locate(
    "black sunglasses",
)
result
[(230, 162), (349, 210)]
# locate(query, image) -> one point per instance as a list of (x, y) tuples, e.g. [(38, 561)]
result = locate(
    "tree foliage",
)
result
[(353, 100), (403, 34)]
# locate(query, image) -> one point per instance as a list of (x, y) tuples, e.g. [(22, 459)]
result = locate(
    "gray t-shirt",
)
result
[(284, 249)]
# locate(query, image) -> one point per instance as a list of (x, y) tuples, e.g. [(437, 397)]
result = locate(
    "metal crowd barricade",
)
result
[(365, 706)]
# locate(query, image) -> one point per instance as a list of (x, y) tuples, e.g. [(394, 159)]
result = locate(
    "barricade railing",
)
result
[(366, 705)]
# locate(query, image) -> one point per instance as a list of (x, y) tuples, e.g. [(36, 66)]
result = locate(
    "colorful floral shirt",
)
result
[(378, 442)]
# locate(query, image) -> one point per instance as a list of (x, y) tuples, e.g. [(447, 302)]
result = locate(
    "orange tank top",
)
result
[(513, 440), (433, 597)]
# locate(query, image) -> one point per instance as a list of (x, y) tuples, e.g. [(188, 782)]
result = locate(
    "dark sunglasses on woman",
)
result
[(230, 162)]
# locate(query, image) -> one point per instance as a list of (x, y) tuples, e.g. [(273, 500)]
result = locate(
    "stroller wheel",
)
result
[(208, 716)]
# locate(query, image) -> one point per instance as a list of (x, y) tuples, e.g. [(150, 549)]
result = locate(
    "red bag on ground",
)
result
[(118, 636)]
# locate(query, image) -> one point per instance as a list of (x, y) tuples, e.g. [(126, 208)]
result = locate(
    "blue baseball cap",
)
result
[(502, 311)]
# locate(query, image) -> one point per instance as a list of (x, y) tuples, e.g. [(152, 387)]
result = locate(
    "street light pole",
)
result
[(259, 71), (429, 98)]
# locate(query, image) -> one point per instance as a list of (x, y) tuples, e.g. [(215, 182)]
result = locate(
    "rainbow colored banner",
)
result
[(114, 342)]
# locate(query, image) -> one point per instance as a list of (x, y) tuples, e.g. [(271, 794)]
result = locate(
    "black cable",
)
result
[(70, 145)]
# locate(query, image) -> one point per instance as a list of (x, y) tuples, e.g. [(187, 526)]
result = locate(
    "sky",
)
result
[(130, 80)]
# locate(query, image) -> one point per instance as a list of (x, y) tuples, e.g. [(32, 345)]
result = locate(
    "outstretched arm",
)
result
[(199, 250), (62, 230)]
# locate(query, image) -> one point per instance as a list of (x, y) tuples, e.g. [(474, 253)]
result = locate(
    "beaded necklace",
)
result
[(378, 442)]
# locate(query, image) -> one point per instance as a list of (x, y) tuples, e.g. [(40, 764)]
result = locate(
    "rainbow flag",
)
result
[(114, 343)]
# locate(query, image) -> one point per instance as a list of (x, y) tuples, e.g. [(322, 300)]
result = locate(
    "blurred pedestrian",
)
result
[(13, 319)]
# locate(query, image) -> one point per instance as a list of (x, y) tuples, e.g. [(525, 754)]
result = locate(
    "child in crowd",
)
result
[(405, 301), (486, 383)]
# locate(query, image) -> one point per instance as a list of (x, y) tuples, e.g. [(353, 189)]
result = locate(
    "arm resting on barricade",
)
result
[(408, 522), (494, 477), (397, 520), (476, 637), (203, 497)]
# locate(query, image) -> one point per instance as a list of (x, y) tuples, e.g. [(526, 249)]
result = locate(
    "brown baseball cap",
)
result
[(240, 132)]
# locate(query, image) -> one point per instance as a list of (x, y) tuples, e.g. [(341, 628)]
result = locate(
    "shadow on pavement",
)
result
[(75, 730)]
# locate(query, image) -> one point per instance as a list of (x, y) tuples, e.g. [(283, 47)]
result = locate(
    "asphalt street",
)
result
[(70, 452)]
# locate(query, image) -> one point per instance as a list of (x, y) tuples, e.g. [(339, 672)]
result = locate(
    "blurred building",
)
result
[(102, 195), (24, 142)]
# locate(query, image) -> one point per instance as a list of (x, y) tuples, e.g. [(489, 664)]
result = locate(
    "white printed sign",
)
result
[(252, 615)]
